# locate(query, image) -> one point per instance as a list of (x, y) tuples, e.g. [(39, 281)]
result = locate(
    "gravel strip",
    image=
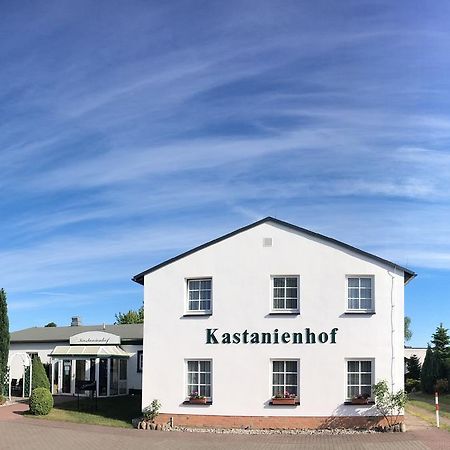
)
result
[(327, 431)]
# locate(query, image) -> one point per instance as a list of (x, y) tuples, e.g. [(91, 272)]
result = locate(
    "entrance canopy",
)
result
[(97, 351)]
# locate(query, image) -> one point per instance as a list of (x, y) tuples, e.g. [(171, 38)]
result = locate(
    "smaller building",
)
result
[(108, 355), (420, 352)]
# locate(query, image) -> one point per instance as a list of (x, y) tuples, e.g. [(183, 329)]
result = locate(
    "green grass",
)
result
[(426, 416), (113, 412), (426, 401)]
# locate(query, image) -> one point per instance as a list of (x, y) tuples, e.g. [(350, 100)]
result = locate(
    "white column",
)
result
[(53, 376), (97, 372), (72, 378)]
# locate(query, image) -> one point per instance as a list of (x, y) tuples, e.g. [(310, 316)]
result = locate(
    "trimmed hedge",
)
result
[(40, 379), (41, 401)]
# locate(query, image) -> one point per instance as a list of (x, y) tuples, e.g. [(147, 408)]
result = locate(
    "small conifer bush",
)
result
[(41, 401)]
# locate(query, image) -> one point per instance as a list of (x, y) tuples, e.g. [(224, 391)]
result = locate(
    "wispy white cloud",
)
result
[(128, 139)]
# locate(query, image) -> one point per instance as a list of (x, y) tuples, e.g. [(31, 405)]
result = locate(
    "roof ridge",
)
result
[(409, 274)]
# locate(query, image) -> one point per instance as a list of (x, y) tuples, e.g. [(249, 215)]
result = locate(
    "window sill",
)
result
[(284, 313), (364, 313), (297, 403), (187, 402), (369, 403), (200, 314)]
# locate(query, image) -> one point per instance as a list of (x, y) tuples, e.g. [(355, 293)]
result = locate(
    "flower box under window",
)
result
[(284, 401), (198, 401), (360, 401)]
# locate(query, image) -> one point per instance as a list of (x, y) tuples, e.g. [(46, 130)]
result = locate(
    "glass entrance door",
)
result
[(67, 376), (103, 377), (80, 373)]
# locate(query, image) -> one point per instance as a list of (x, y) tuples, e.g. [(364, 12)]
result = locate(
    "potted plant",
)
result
[(360, 399), (197, 399), (284, 399)]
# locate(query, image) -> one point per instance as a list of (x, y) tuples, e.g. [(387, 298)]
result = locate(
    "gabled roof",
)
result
[(409, 274), (129, 332)]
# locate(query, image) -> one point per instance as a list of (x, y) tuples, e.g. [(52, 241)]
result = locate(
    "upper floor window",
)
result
[(360, 293), (285, 290), (199, 295)]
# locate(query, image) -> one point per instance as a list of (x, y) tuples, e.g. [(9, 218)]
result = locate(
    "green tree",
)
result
[(4, 338), (441, 349), (132, 316), (441, 342), (408, 332), (414, 367), (51, 324), (430, 371), (40, 379)]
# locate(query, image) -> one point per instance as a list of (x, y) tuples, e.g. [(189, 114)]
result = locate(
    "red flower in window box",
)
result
[(360, 399), (286, 399), (197, 399)]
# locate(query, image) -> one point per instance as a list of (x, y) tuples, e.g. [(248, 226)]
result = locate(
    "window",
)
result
[(199, 295), (199, 378), (285, 293), (140, 360), (360, 293), (359, 378), (123, 364), (285, 377)]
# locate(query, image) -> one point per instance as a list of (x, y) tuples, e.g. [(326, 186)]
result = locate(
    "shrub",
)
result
[(2, 399), (41, 401), (441, 386), (40, 379), (151, 412), (412, 385), (389, 404)]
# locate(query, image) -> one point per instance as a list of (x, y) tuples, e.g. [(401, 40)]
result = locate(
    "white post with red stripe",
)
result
[(436, 402)]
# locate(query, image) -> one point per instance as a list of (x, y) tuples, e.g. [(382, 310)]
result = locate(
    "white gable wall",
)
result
[(241, 270)]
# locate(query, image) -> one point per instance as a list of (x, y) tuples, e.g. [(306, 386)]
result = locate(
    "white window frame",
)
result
[(272, 296), (186, 368), (297, 361), (372, 377), (198, 311), (347, 297)]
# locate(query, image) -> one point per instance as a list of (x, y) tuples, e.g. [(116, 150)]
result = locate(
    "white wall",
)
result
[(134, 377), (241, 268)]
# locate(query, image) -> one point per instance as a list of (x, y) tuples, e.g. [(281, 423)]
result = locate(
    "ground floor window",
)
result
[(359, 378), (140, 357), (285, 375), (199, 378), (123, 363)]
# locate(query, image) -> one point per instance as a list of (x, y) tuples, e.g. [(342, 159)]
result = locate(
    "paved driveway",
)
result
[(17, 432)]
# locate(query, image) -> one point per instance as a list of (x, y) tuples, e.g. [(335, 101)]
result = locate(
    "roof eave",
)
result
[(408, 274)]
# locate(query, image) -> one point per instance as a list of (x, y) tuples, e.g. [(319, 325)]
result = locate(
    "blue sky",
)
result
[(132, 131)]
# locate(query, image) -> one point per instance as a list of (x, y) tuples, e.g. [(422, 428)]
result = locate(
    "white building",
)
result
[(266, 310), (108, 355)]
